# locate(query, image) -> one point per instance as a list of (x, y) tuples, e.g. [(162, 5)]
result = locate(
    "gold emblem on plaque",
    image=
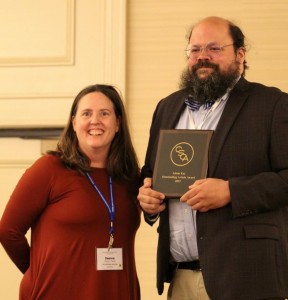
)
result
[(182, 154)]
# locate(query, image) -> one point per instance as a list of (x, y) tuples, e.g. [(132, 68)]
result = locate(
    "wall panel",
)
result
[(52, 50)]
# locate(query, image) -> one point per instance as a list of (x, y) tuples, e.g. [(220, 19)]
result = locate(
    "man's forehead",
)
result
[(210, 31)]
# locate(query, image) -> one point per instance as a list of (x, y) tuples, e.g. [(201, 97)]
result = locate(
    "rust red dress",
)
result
[(68, 221)]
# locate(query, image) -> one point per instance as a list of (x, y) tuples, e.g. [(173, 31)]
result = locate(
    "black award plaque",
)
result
[(182, 158)]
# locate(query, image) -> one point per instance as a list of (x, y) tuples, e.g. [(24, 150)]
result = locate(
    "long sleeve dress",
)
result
[(68, 221)]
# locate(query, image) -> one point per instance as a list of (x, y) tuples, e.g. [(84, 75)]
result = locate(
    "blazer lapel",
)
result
[(174, 111), (236, 100)]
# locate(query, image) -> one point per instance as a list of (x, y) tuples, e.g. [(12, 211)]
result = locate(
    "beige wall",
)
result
[(155, 58), (40, 77)]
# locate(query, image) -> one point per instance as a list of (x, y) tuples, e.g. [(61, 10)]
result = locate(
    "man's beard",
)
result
[(211, 87)]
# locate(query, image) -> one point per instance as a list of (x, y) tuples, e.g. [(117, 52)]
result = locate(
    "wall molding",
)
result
[(48, 133), (42, 96), (50, 60), (15, 164)]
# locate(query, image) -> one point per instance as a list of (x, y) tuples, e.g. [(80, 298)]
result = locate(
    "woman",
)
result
[(80, 203)]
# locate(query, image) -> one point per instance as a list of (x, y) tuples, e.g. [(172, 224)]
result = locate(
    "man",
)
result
[(227, 236)]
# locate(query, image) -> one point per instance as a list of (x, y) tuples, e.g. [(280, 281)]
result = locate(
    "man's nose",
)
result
[(204, 54)]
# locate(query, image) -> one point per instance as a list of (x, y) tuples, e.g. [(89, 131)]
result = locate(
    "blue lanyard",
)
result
[(111, 207)]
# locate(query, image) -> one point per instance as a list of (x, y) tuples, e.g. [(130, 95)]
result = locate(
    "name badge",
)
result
[(109, 259)]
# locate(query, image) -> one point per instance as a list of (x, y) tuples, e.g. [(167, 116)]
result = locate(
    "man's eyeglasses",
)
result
[(212, 50)]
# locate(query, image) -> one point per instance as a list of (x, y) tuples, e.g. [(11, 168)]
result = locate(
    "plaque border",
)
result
[(207, 133)]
